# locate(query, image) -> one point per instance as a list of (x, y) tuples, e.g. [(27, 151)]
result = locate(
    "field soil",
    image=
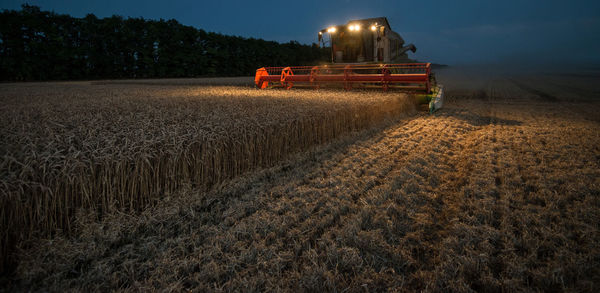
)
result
[(497, 192)]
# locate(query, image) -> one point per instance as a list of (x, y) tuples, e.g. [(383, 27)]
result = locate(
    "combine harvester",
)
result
[(364, 53)]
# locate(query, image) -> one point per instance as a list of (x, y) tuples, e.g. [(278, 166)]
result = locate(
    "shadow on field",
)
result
[(478, 120), (543, 95)]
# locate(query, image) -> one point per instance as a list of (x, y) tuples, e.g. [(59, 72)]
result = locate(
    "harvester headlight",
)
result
[(354, 27), (331, 29), (373, 27), (320, 33)]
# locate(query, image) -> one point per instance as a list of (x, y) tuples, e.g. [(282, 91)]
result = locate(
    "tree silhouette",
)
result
[(42, 45)]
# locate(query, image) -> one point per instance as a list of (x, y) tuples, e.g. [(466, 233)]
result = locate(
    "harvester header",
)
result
[(408, 76)]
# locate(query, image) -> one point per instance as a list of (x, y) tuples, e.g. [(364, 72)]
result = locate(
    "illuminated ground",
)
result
[(499, 191)]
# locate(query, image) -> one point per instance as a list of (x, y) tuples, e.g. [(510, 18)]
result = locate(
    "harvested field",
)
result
[(69, 147), (499, 191)]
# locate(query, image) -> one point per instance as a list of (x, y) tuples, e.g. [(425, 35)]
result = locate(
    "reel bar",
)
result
[(411, 75)]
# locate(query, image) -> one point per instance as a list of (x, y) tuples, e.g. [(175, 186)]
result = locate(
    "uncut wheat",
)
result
[(69, 147)]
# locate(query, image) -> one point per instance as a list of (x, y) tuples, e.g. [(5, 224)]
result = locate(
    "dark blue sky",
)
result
[(452, 32)]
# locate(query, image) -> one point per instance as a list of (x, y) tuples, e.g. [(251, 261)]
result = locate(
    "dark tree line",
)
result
[(42, 45)]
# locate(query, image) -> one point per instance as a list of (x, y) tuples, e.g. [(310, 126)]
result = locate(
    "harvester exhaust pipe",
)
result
[(406, 48)]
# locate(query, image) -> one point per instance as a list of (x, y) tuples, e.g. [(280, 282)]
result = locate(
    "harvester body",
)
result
[(365, 40)]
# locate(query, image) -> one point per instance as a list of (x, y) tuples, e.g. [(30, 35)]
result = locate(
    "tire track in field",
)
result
[(366, 177), (319, 179), (541, 94), (378, 168)]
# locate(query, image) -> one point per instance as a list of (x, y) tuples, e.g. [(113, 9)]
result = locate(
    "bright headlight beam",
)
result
[(354, 27)]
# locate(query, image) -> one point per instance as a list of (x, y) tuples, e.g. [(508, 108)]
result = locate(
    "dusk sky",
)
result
[(450, 32)]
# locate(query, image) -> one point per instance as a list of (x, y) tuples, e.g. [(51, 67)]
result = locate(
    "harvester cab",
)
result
[(364, 53)]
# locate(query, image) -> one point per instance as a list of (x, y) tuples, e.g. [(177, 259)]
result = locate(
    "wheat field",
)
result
[(497, 192), (117, 146)]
